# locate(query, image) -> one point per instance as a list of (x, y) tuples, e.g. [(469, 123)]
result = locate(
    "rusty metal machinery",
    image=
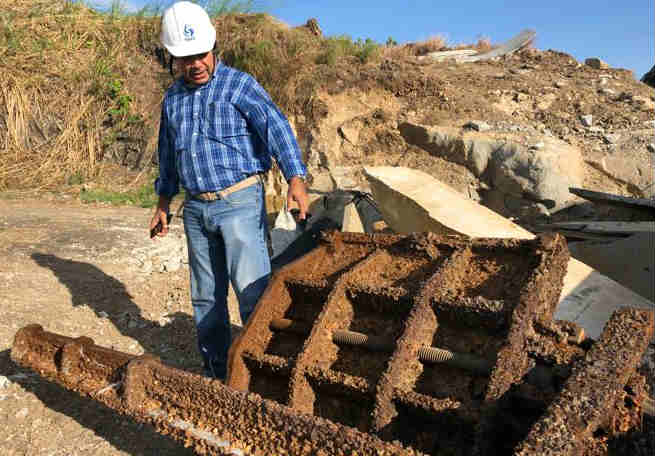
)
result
[(387, 344)]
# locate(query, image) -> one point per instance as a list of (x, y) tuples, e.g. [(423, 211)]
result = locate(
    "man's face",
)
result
[(197, 69)]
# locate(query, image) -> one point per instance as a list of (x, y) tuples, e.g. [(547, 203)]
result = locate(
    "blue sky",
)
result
[(619, 32)]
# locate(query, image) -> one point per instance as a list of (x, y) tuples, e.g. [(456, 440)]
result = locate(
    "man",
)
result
[(219, 130)]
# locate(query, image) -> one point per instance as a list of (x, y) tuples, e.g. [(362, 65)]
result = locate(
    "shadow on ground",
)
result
[(174, 343), (121, 432)]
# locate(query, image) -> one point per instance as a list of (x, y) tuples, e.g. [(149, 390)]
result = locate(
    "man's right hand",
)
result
[(159, 222)]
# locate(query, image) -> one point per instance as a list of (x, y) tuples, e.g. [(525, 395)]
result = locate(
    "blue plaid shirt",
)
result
[(213, 136)]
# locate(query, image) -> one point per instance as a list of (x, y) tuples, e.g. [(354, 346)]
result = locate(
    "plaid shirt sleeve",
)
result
[(273, 128), (167, 184)]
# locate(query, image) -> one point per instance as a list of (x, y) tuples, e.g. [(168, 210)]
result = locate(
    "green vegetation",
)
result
[(343, 46), (143, 196)]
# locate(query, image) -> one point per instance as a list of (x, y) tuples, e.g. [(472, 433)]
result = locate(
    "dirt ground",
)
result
[(80, 269), (87, 270)]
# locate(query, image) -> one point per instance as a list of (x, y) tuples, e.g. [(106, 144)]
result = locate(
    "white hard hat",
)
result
[(187, 30)]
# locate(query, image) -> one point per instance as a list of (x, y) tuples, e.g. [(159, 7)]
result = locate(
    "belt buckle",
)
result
[(207, 196)]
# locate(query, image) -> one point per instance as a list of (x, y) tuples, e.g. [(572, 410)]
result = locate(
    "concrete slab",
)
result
[(411, 201), (604, 227), (630, 261)]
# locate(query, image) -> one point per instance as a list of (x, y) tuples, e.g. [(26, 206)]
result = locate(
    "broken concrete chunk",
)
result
[(445, 55), (352, 223), (478, 125), (413, 201), (611, 138), (596, 63), (587, 120)]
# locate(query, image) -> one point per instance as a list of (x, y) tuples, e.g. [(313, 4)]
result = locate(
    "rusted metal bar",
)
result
[(198, 411)]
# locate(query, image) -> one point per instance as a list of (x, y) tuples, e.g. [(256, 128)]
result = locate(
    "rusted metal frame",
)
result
[(318, 345), (588, 395)]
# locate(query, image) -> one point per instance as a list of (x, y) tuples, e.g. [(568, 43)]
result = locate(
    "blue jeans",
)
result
[(227, 242)]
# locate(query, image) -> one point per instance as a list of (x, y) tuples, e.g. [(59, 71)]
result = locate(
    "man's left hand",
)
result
[(298, 193)]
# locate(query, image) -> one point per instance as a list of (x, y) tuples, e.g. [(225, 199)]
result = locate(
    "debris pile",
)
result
[(388, 344)]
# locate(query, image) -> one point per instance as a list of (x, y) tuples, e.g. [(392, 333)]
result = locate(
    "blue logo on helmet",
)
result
[(189, 33)]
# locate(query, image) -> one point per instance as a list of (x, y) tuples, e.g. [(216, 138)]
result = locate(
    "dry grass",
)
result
[(62, 64), (82, 89)]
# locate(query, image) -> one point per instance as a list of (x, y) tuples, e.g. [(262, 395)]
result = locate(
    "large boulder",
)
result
[(536, 176), (522, 177)]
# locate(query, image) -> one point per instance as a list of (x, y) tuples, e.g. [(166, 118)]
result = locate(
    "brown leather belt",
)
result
[(213, 196)]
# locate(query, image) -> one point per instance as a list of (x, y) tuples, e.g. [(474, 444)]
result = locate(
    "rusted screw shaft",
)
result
[(430, 355)]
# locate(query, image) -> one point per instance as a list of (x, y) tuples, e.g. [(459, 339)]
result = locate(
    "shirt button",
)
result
[(193, 154), (194, 133)]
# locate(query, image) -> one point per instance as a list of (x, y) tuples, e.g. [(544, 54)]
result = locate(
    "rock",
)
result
[(4, 382), (596, 63), (146, 267), (646, 103), (478, 125), (597, 130), (634, 169), (651, 148), (606, 91), (478, 155), (22, 413), (321, 182), (560, 84), (344, 177), (611, 138), (538, 146), (542, 176), (350, 132), (587, 120), (103, 314), (171, 264), (546, 101)]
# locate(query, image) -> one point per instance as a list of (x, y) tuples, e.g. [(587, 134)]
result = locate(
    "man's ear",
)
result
[(170, 67)]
